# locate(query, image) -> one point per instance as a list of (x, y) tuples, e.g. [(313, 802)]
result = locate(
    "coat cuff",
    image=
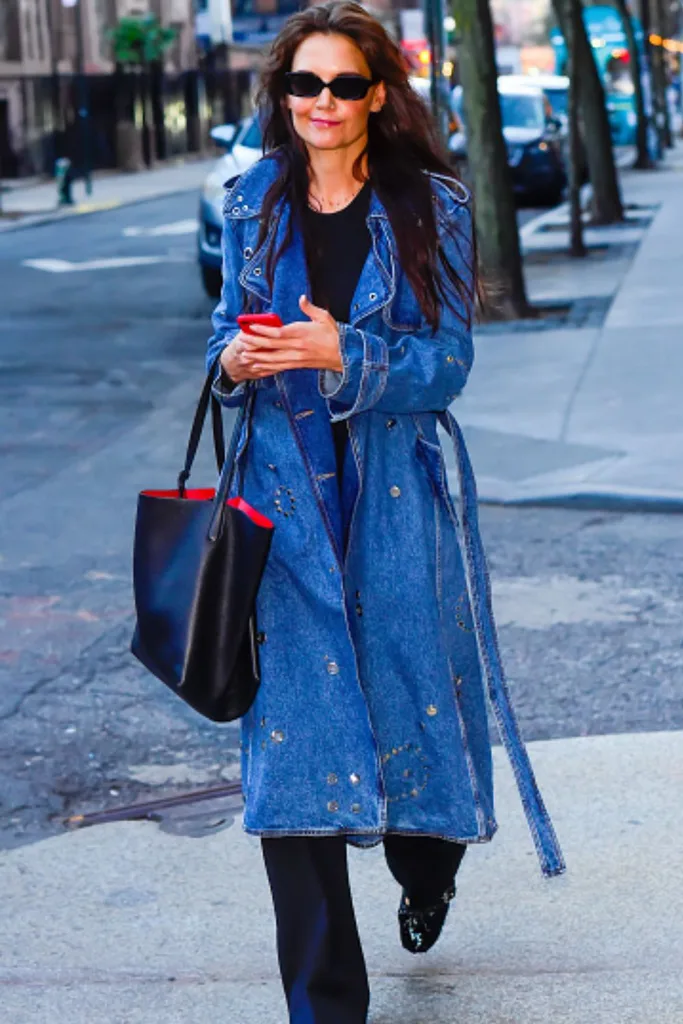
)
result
[(365, 361), (225, 389)]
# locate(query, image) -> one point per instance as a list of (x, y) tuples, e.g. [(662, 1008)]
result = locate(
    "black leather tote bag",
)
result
[(198, 562)]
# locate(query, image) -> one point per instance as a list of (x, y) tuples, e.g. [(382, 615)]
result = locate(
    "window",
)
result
[(10, 35), (522, 111), (252, 136)]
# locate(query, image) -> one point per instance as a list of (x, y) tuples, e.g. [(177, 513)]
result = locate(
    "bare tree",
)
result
[(573, 17), (607, 206), (659, 75), (643, 160), (497, 231)]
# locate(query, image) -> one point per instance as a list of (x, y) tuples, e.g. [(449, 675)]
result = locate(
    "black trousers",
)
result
[(321, 959)]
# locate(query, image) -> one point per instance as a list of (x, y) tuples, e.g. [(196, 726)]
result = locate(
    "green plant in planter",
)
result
[(141, 40)]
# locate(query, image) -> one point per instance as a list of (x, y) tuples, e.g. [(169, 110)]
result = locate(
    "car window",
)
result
[(558, 100), (522, 111), (252, 138)]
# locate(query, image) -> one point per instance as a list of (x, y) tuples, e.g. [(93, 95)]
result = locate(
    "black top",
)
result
[(338, 246)]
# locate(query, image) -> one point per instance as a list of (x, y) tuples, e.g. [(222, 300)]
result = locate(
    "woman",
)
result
[(375, 641)]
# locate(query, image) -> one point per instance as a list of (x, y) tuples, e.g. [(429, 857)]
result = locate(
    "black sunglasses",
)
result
[(343, 87)]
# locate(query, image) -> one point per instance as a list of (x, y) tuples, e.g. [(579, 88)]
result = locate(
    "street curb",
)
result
[(594, 500), (59, 215)]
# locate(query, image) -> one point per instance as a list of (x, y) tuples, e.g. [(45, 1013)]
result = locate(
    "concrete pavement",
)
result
[(590, 416), (122, 924), (27, 205)]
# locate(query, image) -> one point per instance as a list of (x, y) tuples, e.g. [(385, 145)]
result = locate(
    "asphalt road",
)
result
[(99, 370)]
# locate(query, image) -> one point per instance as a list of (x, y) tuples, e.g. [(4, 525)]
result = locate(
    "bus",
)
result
[(610, 48)]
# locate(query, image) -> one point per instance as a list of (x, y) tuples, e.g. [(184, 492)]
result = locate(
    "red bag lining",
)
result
[(208, 494)]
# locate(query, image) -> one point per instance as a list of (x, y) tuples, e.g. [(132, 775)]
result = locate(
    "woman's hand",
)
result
[(311, 344), (237, 359)]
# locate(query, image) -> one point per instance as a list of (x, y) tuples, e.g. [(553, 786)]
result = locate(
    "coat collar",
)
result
[(244, 197)]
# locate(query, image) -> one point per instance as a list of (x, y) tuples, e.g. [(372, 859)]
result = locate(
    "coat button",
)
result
[(355, 778), (333, 668), (333, 806), (395, 491)]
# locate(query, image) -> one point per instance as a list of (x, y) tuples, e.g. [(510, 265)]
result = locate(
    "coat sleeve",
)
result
[(224, 317), (418, 372)]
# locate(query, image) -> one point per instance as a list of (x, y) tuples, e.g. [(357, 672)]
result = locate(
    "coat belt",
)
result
[(538, 819)]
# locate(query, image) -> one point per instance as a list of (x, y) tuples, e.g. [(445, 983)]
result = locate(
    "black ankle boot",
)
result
[(421, 926)]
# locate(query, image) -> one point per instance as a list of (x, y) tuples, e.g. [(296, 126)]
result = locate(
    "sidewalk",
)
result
[(592, 414), (37, 201), (122, 924)]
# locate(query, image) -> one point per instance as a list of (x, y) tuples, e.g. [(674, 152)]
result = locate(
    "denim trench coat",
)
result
[(376, 637)]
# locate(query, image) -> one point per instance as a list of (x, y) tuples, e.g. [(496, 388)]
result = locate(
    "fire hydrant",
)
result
[(65, 177)]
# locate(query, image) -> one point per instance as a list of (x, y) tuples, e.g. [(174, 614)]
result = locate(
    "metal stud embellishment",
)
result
[(257, 271), (355, 778), (405, 782), (261, 637), (390, 424), (248, 252), (333, 668), (462, 614), (395, 491), (372, 296), (432, 710), (285, 502), (277, 736), (332, 779), (450, 359), (333, 806), (355, 808)]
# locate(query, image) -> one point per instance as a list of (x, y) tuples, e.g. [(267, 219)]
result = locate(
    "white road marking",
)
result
[(56, 266), (179, 227)]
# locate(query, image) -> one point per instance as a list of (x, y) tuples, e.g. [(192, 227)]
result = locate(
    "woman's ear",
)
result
[(379, 98)]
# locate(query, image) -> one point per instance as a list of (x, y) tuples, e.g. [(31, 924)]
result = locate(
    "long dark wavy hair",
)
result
[(402, 146)]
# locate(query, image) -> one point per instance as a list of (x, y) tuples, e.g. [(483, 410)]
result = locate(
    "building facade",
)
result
[(39, 54)]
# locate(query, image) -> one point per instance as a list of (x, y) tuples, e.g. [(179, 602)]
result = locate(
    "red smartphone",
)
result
[(245, 320)]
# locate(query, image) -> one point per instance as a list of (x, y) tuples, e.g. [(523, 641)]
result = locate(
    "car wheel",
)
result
[(212, 279)]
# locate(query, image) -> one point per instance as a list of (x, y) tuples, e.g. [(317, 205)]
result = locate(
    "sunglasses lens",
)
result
[(350, 87), (303, 83)]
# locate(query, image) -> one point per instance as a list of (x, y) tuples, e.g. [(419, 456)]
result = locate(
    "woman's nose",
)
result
[(325, 98)]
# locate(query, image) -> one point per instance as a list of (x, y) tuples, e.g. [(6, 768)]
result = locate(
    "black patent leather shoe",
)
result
[(420, 927)]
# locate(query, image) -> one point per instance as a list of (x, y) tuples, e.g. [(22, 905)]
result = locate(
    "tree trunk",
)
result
[(497, 231), (573, 18), (643, 161), (659, 68), (607, 207)]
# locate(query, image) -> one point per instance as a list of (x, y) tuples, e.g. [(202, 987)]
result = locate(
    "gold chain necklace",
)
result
[(327, 206)]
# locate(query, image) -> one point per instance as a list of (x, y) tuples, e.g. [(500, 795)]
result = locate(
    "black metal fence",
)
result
[(141, 117)]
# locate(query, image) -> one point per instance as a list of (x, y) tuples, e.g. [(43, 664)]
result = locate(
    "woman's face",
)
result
[(324, 122)]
